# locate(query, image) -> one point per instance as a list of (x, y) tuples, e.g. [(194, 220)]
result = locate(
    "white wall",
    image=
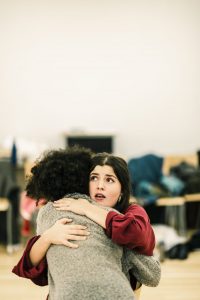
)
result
[(130, 67)]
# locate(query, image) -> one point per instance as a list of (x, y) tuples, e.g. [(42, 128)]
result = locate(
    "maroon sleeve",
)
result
[(24, 268), (132, 229)]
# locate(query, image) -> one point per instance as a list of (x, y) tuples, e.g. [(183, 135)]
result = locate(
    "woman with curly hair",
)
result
[(61, 172)]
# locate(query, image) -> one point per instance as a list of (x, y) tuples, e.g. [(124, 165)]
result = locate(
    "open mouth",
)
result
[(99, 197)]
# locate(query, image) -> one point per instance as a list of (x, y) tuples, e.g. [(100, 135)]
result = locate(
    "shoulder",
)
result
[(45, 209), (78, 195), (46, 217), (135, 207)]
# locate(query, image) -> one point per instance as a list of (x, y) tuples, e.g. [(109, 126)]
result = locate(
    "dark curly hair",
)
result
[(60, 172)]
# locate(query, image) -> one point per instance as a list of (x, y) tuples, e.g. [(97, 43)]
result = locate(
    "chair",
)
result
[(194, 198), (175, 214), (176, 206), (6, 206), (9, 203)]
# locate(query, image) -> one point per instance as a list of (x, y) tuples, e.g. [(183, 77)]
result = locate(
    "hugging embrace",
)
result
[(91, 243)]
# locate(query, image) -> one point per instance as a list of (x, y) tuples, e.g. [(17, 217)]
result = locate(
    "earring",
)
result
[(120, 198)]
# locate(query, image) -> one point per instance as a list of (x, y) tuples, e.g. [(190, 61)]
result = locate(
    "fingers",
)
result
[(78, 232), (64, 204), (64, 221), (74, 226), (63, 201), (73, 238), (76, 237), (62, 207), (70, 245)]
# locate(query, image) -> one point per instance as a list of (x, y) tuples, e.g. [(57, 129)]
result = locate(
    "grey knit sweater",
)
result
[(94, 270)]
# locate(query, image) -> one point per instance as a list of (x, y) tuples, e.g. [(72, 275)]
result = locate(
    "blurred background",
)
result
[(116, 76)]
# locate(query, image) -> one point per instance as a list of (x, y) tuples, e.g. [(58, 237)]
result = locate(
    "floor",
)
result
[(180, 281), (13, 287)]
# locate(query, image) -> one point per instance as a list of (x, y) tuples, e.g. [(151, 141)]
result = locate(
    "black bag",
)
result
[(190, 175), (193, 183), (194, 242)]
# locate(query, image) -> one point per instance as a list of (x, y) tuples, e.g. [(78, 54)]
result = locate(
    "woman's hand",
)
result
[(62, 233), (84, 208), (78, 206)]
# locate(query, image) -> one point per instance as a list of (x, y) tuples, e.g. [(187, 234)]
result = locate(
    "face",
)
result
[(104, 186)]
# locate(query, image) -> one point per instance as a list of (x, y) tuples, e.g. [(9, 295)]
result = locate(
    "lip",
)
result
[(99, 197)]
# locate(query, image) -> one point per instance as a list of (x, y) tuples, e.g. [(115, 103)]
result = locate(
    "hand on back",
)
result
[(62, 233), (78, 206)]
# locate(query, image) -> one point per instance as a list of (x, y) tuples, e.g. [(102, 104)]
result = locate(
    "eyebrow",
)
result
[(108, 175)]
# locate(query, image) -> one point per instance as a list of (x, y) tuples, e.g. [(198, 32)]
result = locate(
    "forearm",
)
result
[(82, 207), (39, 250), (146, 269), (25, 269), (96, 214)]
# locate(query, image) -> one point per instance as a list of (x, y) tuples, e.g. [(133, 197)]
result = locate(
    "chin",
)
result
[(101, 203)]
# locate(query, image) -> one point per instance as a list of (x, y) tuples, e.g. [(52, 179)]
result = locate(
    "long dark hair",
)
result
[(120, 169)]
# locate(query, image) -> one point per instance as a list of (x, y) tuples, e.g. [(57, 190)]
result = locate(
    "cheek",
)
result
[(114, 196), (91, 187)]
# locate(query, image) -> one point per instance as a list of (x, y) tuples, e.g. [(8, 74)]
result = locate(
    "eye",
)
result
[(93, 178), (110, 180)]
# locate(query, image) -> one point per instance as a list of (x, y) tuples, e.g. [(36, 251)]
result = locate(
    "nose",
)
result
[(100, 185)]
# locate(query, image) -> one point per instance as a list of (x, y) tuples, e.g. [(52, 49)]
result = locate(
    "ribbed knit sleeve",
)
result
[(131, 229), (24, 268)]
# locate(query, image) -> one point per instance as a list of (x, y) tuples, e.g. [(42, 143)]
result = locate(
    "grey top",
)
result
[(94, 270)]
